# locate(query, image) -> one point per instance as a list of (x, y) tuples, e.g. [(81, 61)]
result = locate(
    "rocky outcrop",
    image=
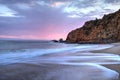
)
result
[(60, 40), (105, 30)]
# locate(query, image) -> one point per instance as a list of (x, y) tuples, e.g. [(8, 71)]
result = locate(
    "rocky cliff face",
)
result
[(103, 30)]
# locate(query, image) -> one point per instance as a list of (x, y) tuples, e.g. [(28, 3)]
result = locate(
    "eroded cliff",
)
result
[(105, 30)]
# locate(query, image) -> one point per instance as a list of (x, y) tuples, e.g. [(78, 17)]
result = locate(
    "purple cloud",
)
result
[(45, 18)]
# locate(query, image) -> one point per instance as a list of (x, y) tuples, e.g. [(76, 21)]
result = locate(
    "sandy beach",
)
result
[(82, 65), (22, 71), (116, 50)]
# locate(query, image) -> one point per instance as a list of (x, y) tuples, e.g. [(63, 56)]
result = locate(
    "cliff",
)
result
[(105, 30)]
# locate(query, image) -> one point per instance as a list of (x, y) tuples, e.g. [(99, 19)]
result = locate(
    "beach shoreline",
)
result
[(64, 71), (113, 50), (24, 71)]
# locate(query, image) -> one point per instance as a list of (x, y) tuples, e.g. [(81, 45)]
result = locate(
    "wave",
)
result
[(12, 56)]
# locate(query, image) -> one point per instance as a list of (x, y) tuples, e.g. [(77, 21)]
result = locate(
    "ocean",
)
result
[(23, 50), (48, 52)]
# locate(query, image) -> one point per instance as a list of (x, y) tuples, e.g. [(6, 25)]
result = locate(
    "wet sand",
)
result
[(23, 71), (115, 67), (115, 49), (55, 71)]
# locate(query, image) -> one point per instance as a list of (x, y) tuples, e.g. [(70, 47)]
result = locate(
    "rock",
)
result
[(55, 40), (61, 40), (105, 30)]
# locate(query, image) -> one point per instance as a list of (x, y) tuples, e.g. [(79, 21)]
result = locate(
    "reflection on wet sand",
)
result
[(87, 66), (22, 71), (74, 62)]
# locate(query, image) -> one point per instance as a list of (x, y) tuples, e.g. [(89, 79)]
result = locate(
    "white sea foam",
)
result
[(91, 62), (11, 56)]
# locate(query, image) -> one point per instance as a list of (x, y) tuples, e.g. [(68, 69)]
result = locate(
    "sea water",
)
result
[(36, 52), (24, 51)]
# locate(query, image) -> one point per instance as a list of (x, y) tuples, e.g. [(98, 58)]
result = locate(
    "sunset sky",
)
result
[(49, 19)]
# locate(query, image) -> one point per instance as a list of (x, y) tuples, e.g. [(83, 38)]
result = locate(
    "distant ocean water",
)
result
[(14, 51), (47, 52)]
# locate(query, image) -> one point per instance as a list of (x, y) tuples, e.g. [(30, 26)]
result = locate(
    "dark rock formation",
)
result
[(60, 40), (105, 30), (55, 40)]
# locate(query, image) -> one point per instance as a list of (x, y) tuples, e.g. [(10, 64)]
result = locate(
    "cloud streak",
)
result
[(7, 12), (45, 19)]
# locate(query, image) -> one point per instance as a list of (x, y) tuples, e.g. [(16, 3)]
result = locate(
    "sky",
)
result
[(49, 19)]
